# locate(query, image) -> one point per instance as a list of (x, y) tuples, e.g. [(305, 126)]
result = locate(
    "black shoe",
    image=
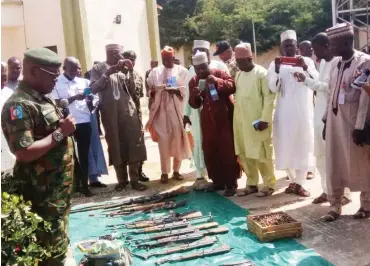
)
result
[(97, 184), (87, 193), (121, 186), (143, 177)]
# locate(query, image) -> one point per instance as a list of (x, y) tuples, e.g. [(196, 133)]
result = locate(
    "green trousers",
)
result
[(251, 168)]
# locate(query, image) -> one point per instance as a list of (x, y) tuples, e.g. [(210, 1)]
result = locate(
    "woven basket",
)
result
[(270, 233)]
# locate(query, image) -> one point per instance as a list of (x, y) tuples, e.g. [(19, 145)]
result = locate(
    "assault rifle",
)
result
[(199, 254), (156, 197), (188, 230), (168, 205), (168, 219), (208, 241), (182, 238), (191, 219)]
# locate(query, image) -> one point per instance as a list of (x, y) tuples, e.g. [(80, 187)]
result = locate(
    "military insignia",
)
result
[(16, 112)]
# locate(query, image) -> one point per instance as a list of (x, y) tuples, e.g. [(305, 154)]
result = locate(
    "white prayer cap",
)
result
[(288, 35), (201, 44), (340, 30), (200, 58), (113, 47)]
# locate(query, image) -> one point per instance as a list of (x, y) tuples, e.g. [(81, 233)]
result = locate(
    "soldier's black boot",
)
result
[(142, 176)]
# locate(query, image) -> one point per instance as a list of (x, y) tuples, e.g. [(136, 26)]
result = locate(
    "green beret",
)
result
[(43, 56)]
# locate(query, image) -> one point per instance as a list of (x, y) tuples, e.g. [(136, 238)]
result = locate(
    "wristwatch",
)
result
[(57, 136)]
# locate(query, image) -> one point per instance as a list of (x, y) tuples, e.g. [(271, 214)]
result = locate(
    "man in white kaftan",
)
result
[(293, 135), (194, 115)]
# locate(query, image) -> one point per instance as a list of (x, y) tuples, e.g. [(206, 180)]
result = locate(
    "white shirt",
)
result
[(65, 88), (7, 158), (321, 86)]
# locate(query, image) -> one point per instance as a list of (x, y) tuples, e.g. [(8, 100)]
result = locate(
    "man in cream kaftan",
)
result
[(293, 135), (194, 116), (252, 123), (348, 112), (321, 87), (166, 114)]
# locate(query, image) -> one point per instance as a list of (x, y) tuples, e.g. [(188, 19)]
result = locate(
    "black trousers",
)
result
[(82, 137)]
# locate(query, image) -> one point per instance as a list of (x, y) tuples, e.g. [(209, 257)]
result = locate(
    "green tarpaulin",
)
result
[(244, 244)]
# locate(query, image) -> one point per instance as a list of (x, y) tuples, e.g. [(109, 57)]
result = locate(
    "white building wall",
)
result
[(132, 33), (35, 23), (43, 24)]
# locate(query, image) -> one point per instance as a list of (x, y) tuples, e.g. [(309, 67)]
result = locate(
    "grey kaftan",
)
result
[(123, 130)]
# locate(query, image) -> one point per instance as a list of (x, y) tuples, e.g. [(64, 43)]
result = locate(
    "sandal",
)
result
[(321, 199), (300, 191), (331, 216), (248, 191), (265, 192), (229, 192), (164, 179), (310, 176), (290, 188), (138, 186), (345, 200), (177, 176), (361, 214)]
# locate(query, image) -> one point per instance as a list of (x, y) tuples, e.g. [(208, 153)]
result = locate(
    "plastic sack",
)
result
[(105, 252)]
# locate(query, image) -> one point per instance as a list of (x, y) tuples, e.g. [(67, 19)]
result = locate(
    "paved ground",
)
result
[(345, 242)]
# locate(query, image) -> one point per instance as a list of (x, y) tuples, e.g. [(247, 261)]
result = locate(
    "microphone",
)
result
[(65, 110)]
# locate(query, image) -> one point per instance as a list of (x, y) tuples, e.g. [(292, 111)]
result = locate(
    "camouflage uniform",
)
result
[(29, 116), (233, 66), (136, 89)]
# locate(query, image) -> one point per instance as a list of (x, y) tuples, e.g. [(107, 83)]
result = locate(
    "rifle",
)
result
[(169, 219), (162, 227), (240, 263), (209, 217), (208, 241), (182, 238), (184, 231), (199, 254), (156, 197), (168, 205)]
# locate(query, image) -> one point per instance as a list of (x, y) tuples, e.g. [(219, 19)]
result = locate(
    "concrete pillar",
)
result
[(76, 34), (153, 29)]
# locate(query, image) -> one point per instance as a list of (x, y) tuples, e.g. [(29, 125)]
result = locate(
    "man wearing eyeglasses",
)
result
[(37, 134)]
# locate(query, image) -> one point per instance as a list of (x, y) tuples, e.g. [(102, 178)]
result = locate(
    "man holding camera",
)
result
[(293, 135), (123, 131)]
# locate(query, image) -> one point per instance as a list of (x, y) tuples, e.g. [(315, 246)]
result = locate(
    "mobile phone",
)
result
[(290, 61), (255, 124), (213, 92), (360, 81), (87, 91), (202, 84), (171, 82)]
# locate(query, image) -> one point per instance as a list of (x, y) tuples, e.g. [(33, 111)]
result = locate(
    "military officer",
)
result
[(38, 134)]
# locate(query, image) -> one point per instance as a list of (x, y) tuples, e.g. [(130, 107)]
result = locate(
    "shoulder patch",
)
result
[(16, 112)]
